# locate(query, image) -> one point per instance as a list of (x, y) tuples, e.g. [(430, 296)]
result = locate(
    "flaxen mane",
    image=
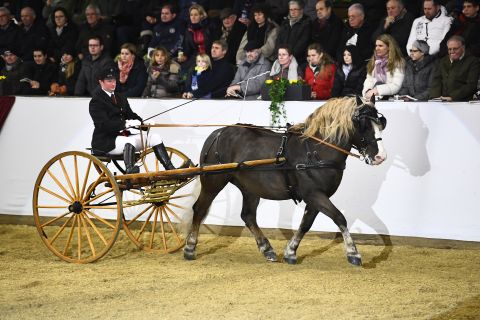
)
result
[(331, 122)]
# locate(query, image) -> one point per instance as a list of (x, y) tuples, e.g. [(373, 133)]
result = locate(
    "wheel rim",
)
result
[(155, 223), (77, 207)]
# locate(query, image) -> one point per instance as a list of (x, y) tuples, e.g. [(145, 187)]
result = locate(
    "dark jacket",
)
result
[(102, 29), (67, 38), (418, 77), (297, 37), (233, 40), (364, 43), (11, 85), (399, 30), (223, 73), (199, 84), (168, 35), (457, 80), (352, 85), (108, 119), (35, 37), (87, 79), (469, 29), (328, 34), (72, 80), (10, 37), (190, 48), (165, 85), (45, 74), (136, 80)]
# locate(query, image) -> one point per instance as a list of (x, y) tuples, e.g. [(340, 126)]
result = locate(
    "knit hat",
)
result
[(68, 49), (422, 46), (11, 50)]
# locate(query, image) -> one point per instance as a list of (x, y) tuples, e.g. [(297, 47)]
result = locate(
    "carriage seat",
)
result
[(105, 157)]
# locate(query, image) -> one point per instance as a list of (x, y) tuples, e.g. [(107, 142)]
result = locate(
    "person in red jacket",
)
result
[(319, 72)]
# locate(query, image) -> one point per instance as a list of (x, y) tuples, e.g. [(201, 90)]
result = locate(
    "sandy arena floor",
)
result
[(231, 280)]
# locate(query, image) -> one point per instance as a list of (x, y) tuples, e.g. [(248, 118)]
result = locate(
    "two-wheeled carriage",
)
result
[(79, 205)]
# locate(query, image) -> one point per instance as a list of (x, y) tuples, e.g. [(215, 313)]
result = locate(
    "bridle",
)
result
[(363, 114)]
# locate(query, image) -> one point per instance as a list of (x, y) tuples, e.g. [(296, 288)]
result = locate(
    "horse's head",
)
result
[(367, 138)]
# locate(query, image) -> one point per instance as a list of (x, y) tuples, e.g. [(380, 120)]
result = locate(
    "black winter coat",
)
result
[(364, 43), (297, 37), (418, 78), (399, 30), (45, 74), (68, 37), (328, 35), (233, 40), (353, 85), (108, 119)]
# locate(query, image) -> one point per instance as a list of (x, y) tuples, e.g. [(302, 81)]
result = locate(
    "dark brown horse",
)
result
[(312, 171)]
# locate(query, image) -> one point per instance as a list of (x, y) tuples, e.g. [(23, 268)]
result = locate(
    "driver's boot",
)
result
[(162, 156), (129, 159)]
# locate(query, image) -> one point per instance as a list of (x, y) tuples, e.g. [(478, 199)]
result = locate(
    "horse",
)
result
[(310, 171)]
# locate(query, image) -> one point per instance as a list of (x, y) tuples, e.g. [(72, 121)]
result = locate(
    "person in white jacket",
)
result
[(431, 27), (385, 70)]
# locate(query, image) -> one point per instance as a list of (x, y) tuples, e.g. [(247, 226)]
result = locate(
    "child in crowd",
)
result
[(163, 75), (198, 79)]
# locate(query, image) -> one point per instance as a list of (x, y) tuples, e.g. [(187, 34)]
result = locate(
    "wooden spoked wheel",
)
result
[(77, 207), (154, 215)]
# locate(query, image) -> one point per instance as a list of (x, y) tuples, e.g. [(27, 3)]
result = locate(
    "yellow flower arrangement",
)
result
[(3, 77)]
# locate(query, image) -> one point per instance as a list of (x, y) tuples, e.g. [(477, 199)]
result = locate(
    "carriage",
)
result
[(81, 201)]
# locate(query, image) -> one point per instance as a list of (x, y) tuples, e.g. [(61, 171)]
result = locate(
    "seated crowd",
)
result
[(229, 48)]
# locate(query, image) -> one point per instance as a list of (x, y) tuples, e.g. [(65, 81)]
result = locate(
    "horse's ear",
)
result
[(359, 101), (372, 99)]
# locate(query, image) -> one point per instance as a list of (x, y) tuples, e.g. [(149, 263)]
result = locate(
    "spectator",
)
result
[(41, 72), (185, 7), (126, 17), (385, 70), (10, 33), (397, 23), (62, 33), (222, 70), (357, 32), (262, 30), (349, 75), (67, 74), (286, 66), (197, 82), (467, 25), (431, 27), (418, 72), (310, 9), (319, 72), (163, 75), (13, 71), (198, 37), (295, 30), (168, 32), (279, 9), (231, 31), (132, 71), (326, 27), (94, 61), (243, 10), (457, 75), (374, 11), (251, 73), (34, 34), (95, 26)]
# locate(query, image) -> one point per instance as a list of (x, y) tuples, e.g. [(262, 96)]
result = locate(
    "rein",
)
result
[(170, 125)]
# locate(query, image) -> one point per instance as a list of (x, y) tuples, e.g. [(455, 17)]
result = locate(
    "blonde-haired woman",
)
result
[(132, 72), (385, 70), (198, 38), (163, 75)]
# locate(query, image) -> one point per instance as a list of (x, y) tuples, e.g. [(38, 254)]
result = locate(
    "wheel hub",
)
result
[(76, 207)]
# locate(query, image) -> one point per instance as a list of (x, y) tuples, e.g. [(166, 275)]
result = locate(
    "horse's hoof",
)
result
[(290, 260), (271, 256), (356, 261), (189, 255)]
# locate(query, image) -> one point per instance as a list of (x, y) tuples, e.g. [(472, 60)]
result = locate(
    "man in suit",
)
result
[(112, 116)]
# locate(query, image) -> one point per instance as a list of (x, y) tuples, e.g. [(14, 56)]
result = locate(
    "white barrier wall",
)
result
[(428, 187)]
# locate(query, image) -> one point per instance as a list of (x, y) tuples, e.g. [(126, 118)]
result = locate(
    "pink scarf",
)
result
[(124, 68)]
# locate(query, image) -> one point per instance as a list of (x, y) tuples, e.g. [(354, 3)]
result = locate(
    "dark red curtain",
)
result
[(6, 104)]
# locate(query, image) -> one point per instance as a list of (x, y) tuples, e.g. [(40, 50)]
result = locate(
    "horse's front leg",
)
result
[(290, 252)]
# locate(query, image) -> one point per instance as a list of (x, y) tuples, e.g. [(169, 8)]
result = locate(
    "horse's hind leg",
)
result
[(211, 186), (249, 216)]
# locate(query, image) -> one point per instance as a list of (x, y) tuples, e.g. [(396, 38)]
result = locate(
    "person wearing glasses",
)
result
[(295, 31), (418, 72), (94, 61), (456, 76), (62, 32)]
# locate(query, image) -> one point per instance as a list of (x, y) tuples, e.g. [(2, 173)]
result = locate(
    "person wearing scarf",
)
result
[(67, 74), (132, 72), (385, 70), (319, 72), (285, 66)]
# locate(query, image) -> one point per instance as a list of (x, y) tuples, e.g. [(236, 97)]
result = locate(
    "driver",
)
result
[(111, 114)]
